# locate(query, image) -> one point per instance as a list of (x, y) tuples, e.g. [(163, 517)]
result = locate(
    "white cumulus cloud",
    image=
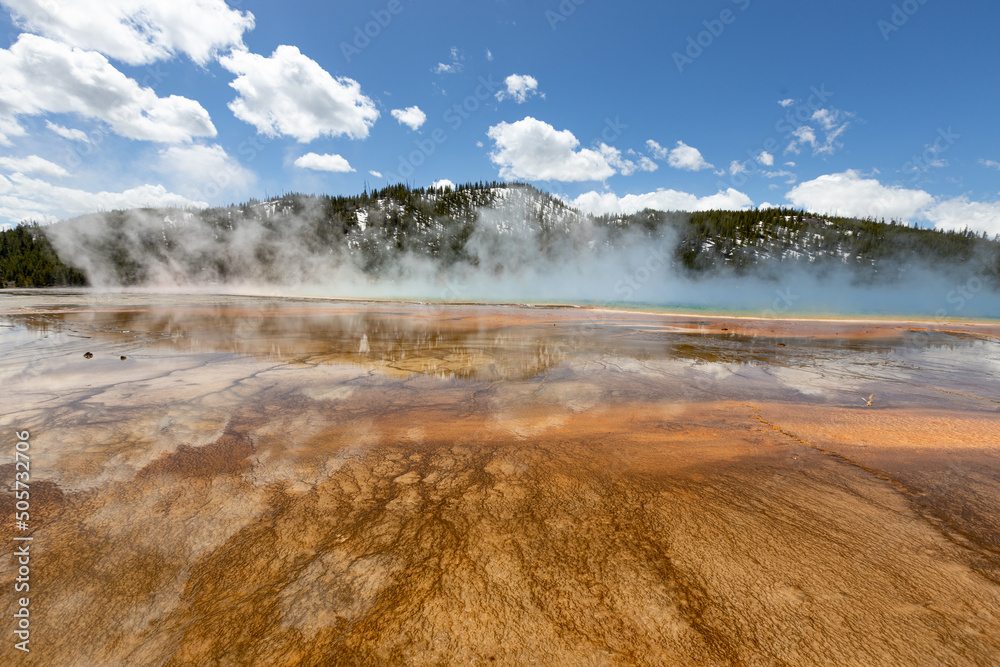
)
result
[(9, 127), (412, 117), (205, 172), (645, 164), (68, 133), (658, 151), (852, 195), (662, 200), (534, 150), (802, 135), (625, 166), (288, 93), (959, 213), (137, 32), (318, 162), (687, 157), (25, 198), (829, 121), (32, 165), (519, 88), (765, 159), (42, 76), (442, 184), (454, 64), (827, 118), (780, 173)]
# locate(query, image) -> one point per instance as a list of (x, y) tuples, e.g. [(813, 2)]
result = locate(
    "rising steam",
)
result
[(520, 246)]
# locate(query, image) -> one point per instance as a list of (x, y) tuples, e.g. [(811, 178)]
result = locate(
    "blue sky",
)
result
[(858, 108)]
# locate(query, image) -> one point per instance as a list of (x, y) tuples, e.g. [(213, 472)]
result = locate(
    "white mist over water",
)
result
[(513, 258)]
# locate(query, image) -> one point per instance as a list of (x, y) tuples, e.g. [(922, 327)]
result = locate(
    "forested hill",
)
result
[(487, 227), (27, 259)]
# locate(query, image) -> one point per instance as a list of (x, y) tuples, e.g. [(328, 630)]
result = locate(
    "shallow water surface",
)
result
[(287, 481)]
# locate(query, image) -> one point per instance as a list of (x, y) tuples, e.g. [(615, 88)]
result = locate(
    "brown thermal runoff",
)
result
[(237, 481)]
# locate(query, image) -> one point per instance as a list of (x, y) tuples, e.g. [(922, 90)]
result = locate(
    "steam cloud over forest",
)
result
[(498, 242)]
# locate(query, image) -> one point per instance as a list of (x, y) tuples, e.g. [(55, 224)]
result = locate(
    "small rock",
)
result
[(124, 357), (88, 355)]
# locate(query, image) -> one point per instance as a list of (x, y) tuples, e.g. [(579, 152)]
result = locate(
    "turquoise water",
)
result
[(52, 295)]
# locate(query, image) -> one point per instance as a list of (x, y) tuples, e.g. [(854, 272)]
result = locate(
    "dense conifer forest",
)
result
[(27, 259)]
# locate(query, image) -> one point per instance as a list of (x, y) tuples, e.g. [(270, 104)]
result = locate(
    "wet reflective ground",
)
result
[(282, 482)]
